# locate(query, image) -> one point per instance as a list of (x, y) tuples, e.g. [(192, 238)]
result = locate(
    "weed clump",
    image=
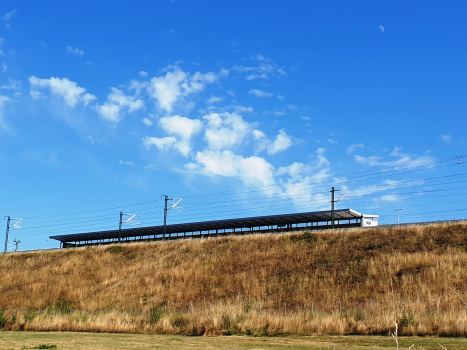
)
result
[(115, 249), (156, 313), (2, 318), (406, 319), (179, 321)]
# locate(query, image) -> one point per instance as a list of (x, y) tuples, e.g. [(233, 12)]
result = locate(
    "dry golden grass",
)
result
[(333, 282)]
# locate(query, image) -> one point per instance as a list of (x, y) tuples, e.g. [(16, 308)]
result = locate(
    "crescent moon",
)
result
[(381, 28)]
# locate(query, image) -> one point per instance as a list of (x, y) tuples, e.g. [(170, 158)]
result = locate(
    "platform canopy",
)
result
[(260, 222)]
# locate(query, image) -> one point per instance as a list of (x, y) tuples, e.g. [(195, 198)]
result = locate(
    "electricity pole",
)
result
[(166, 199), (15, 225), (120, 227), (174, 207), (7, 232), (124, 222), (17, 241), (332, 206), (398, 210)]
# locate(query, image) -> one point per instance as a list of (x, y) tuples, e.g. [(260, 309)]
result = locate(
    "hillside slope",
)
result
[(350, 281)]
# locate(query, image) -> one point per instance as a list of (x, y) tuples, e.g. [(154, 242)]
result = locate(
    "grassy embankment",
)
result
[(333, 282)]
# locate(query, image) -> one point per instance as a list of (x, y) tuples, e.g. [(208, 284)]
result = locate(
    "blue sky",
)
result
[(242, 108)]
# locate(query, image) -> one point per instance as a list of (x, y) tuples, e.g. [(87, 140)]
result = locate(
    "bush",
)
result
[(156, 313), (247, 307), (228, 326), (64, 306), (29, 316), (179, 321), (406, 319), (2, 318), (115, 249)]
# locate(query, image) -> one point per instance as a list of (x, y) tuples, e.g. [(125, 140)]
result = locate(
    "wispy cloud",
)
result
[(446, 138), (352, 148), (265, 69), (7, 16), (69, 90), (260, 93), (401, 159), (74, 51)]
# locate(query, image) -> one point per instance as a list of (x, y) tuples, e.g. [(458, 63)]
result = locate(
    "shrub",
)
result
[(2, 318), (29, 316), (247, 307), (64, 306), (114, 249), (228, 326), (406, 319), (179, 321), (309, 237), (156, 313)]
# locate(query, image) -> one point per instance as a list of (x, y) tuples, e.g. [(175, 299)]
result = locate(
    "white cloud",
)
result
[(402, 159), (150, 166), (251, 170), (14, 85), (181, 126), (390, 198), (93, 139), (295, 171), (4, 67), (385, 185), (147, 121), (279, 113), (280, 97), (292, 107), (333, 141), (265, 69), (35, 94), (281, 143), (3, 99), (112, 109), (258, 134), (213, 99), (176, 85), (143, 73), (69, 90), (126, 163), (352, 148), (74, 51), (7, 16), (225, 130), (260, 93), (446, 138), (162, 143)]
